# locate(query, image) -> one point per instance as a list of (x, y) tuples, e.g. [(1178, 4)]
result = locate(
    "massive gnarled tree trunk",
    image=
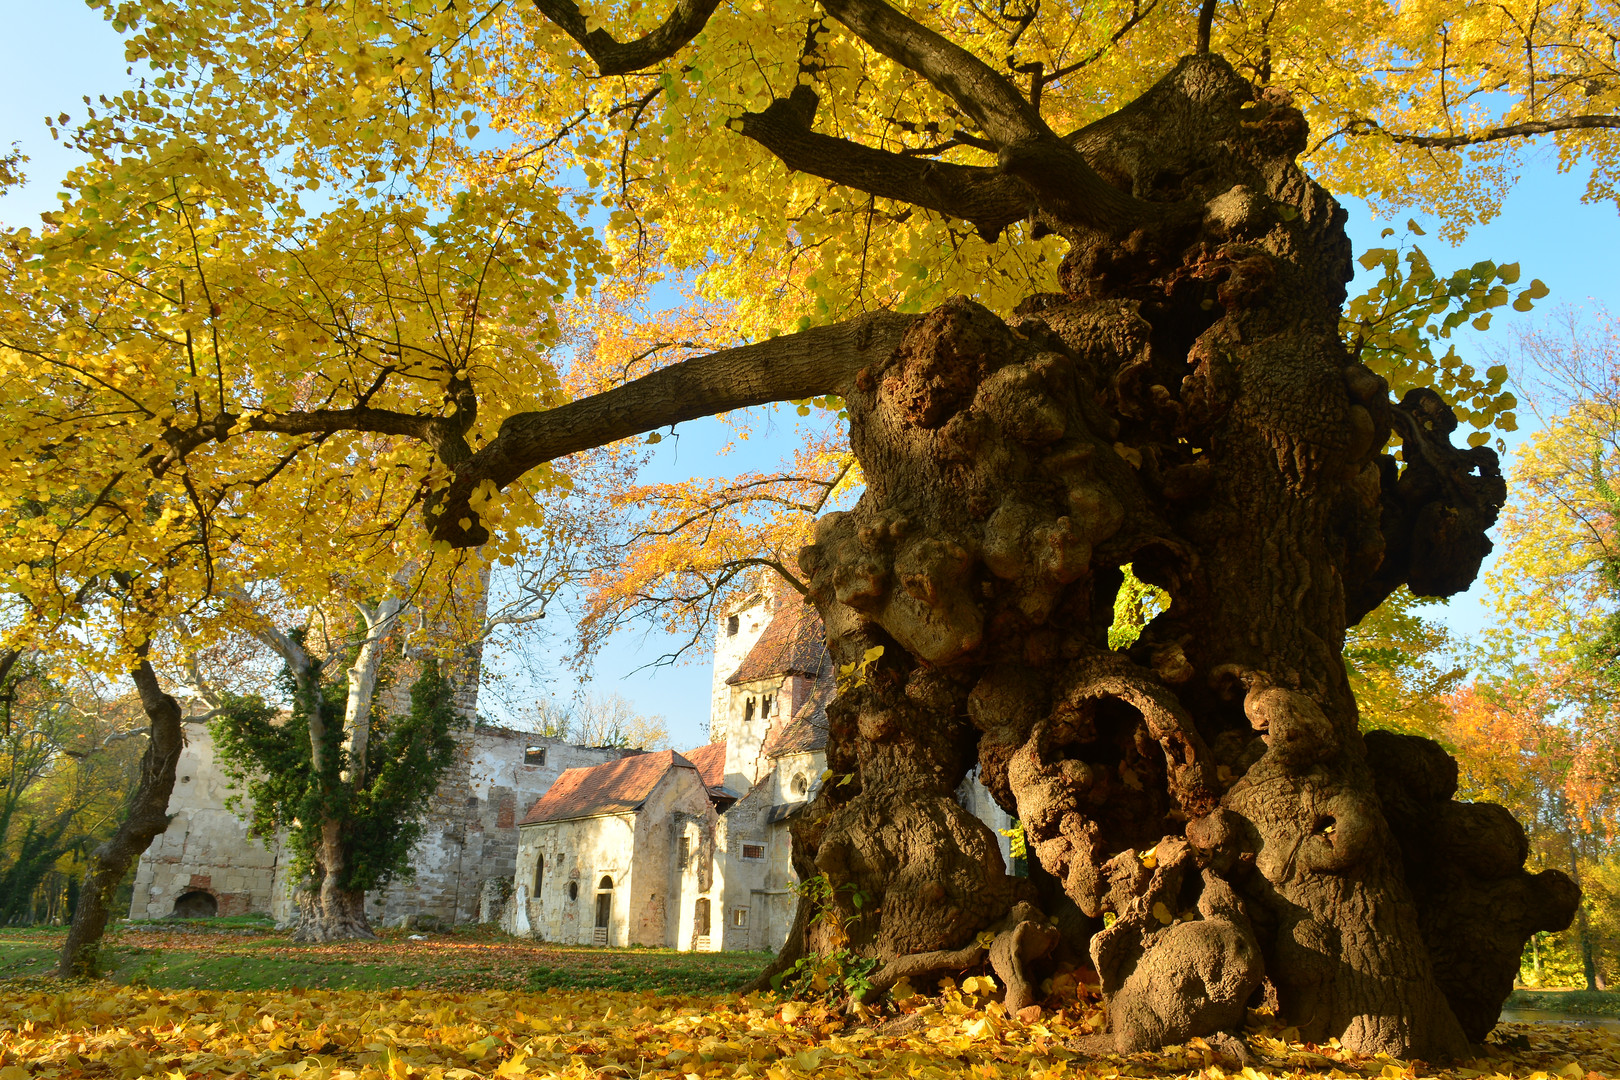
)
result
[(1185, 406), (1205, 814)]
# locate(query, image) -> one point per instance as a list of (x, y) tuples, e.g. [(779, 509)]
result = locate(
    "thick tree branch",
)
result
[(621, 58), (1061, 179), (818, 361), (978, 89), (982, 196), (442, 434), (1495, 134)]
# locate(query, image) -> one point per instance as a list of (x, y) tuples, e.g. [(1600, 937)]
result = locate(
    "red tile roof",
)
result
[(710, 762), (604, 789), (806, 730), (793, 644)]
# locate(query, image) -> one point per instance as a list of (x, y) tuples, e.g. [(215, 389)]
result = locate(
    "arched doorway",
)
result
[(700, 924), (604, 909), (195, 904)]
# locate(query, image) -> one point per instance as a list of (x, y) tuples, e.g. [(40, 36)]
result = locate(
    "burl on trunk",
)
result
[(1205, 813)]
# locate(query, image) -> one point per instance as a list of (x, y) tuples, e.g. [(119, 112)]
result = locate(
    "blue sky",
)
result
[(55, 51)]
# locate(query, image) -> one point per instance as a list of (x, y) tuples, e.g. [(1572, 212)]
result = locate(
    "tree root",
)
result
[(921, 966)]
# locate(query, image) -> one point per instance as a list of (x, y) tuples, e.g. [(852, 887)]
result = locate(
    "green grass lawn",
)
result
[(247, 954), (1575, 1002)]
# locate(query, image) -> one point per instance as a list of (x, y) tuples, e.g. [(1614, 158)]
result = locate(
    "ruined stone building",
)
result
[(577, 844), (206, 863), (692, 850)]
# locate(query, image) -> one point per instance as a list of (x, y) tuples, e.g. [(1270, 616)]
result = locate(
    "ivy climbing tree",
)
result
[(350, 815)]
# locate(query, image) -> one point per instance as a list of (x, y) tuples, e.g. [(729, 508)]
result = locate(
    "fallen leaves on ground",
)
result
[(121, 1033)]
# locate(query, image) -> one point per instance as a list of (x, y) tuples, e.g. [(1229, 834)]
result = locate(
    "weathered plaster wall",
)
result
[(471, 832), (206, 847), (729, 650), (653, 892), (578, 853), (759, 896), (663, 891), (470, 835)]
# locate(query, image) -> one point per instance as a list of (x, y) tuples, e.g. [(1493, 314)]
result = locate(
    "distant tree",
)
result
[(67, 759), (350, 811), (597, 720)]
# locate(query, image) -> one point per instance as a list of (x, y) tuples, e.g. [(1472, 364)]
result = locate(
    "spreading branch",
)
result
[(1058, 175), (621, 58), (1494, 134), (984, 197), (818, 361)]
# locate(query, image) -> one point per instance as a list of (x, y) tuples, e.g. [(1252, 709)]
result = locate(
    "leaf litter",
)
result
[(97, 1030)]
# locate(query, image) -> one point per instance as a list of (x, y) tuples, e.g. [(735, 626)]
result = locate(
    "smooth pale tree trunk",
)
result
[(146, 818), (326, 910)]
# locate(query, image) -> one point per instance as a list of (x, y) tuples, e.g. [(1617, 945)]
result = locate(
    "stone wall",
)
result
[(470, 835), (206, 848)]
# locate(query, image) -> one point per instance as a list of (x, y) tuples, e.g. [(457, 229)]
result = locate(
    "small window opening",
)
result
[(753, 851), (539, 873), (534, 755), (573, 890), (732, 625), (739, 916), (800, 784), (686, 851), (748, 710), (765, 706)]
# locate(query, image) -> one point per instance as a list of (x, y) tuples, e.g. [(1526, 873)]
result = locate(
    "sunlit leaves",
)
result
[(1396, 325), (400, 1035)]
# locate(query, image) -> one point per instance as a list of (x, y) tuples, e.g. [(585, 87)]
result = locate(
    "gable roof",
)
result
[(792, 644), (710, 762), (611, 788), (806, 730)]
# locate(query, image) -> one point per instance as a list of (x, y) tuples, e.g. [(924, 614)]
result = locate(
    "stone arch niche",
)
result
[(604, 909), (195, 904)]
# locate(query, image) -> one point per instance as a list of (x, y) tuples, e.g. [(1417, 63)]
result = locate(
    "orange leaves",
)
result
[(401, 1035)]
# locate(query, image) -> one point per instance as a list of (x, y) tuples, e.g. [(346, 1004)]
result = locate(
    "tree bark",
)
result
[(326, 911), (1185, 407), (1205, 811), (148, 815)]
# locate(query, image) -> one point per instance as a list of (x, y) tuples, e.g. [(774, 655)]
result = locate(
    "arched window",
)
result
[(700, 917), (800, 784), (573, 890), (539, 872), (604, 906), (748, 710)]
